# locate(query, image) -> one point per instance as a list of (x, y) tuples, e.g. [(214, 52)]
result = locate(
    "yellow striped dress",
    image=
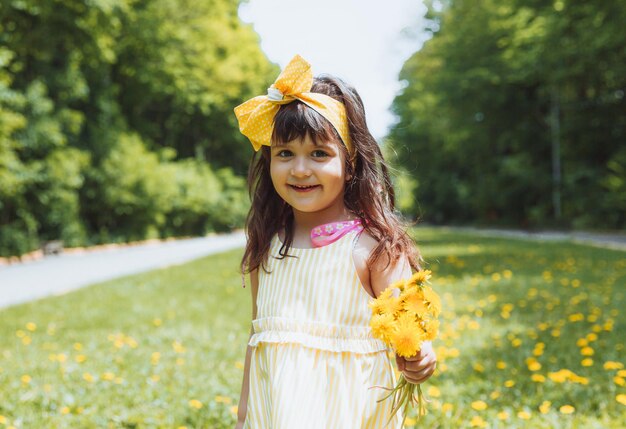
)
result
[(315, 363)]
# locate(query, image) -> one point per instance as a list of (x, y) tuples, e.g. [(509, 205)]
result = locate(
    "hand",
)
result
[(419, 368)]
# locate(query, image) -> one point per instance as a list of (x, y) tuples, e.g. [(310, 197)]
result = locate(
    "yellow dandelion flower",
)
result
[(414, 303), (108, 376), (534, 366), (586, 351), (621, 398), (382, 325), (405, 339), (509, 383), (194, 403), (479, 405), (31, 326), (431, 329), (619, 381), (65, 410), (587, 362), (544, 408), (446, 406), (434, 391), (503, 415), (524, 415), (478, 422), (566, 409), (608, 365), (434, 302), (26, 379), (421, 276), (392, 306), (538, 378), (622, 373)]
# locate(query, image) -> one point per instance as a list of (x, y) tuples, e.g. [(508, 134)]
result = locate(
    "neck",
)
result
[(304, 222)]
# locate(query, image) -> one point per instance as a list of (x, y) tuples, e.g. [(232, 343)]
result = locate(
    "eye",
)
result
[(319, 154), (283, 153)]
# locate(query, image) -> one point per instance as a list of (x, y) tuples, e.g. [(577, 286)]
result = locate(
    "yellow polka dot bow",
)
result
[(256, 116)]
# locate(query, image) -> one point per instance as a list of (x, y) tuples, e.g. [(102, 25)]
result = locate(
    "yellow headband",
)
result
[(256, 116)]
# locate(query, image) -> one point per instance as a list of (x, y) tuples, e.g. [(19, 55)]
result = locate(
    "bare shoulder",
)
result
[(377, 277)]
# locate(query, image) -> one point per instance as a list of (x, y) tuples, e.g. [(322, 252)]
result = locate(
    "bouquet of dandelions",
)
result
[(403, 316)]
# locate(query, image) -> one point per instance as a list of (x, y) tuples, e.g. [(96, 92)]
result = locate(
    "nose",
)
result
[(300, 168)]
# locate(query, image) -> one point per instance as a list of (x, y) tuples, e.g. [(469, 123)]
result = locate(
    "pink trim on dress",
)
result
[(327, 233)]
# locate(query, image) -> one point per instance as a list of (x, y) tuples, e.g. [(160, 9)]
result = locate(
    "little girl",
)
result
[(323, 240)]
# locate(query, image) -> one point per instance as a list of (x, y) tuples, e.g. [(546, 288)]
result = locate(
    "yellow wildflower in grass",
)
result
[(65, 410), (88, 377), (544, 408), (108, 376), (3, 420), (479, 405), (566, 409), (404, 316), (622, 373), (534, 366), (621, 398), (26, 379), (587, 362), (524, 415), (478, 367), (501, 364), (31, 326), (538, 378), (608, 365), (509, 383), (619, 380), (478, 422), (223, 399), (586, 351), (434, 391), (503, 415), (194, 403)]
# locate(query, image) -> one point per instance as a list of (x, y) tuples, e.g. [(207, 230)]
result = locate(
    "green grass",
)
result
[(138, 352)]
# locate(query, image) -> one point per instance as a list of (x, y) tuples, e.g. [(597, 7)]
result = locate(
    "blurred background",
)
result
[(116, 119)]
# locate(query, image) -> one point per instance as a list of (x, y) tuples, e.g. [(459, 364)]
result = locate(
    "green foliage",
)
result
[(116, 119), (475, 116)]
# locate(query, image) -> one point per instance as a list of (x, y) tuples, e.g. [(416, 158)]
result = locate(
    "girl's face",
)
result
[(309, 178)]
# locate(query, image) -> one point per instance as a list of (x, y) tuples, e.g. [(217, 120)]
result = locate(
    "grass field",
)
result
[(533, 336)]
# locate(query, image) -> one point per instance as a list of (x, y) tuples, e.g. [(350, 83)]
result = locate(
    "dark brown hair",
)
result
[(368, 194)]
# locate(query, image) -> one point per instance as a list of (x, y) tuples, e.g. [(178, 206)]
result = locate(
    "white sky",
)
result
[(364, 42)]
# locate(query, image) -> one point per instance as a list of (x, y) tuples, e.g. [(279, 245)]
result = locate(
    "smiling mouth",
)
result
[(301, 188)]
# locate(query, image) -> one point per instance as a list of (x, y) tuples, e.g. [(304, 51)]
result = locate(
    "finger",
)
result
[(418, 365), (401, 363), (421, 375)]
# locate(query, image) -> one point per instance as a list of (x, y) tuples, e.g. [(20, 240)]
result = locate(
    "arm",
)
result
[(243, 399), (420, 367)]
